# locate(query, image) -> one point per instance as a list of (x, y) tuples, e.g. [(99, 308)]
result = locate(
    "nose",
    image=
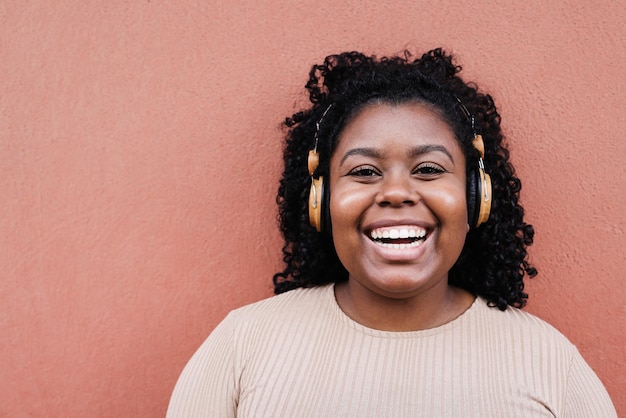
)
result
[(397, 190)]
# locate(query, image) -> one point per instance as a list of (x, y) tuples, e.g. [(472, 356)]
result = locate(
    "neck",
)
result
[(417, 312)]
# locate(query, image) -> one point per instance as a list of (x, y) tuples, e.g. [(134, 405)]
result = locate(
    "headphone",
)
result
[(478, 186), (318, 195)]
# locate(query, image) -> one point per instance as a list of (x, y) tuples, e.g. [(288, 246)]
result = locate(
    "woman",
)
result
[(405, 256)]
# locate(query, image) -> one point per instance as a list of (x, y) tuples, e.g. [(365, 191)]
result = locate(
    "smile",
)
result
[(398, 237)]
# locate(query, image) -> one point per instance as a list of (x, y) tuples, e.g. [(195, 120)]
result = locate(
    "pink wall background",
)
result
[(140, 154)]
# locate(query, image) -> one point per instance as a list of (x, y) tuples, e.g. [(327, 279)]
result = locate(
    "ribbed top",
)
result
[(298, 355)]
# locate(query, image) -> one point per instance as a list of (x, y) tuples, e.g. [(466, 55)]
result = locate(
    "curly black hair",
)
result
[(493, 261)]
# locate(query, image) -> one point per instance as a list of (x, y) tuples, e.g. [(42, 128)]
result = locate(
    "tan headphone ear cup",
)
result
[(315, 203), (484, 197), (483, 188)]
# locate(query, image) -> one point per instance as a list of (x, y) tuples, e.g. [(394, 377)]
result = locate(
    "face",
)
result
[(397, 200)]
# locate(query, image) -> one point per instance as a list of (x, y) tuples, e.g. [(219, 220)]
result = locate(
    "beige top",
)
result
[(298, 355)]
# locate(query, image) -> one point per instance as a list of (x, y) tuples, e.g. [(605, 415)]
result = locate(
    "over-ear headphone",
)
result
[(315, 194), (478, 187), (318, 195)]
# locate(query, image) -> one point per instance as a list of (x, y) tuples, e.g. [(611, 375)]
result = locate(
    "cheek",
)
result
[(347, 205), (450, 204), (450, 208), (344, 218)]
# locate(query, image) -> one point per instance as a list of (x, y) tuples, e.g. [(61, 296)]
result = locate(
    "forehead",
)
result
[(407, 124)]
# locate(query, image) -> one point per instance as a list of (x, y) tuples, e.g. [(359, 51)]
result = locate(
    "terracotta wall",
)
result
[(140, 153)]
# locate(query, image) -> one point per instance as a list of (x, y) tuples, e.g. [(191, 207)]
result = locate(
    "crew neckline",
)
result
[(351, 323)]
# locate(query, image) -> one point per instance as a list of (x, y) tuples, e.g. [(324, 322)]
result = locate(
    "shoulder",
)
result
[(543, 361), (519, 318), (524, 330), (298, 299), (292, 310), (263, 324)]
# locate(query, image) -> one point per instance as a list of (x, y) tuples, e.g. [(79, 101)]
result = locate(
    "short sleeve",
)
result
[(208, 386), (585, 395)]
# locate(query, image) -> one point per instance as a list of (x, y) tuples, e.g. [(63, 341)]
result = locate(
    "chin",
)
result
[(403, 287)]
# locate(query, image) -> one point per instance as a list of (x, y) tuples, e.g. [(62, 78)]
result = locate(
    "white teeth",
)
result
[(397, 233)]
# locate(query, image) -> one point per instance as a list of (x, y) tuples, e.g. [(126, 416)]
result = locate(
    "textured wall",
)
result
[(139, 158)]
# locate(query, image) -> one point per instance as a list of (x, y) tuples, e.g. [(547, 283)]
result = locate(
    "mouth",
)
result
[(398, 237)]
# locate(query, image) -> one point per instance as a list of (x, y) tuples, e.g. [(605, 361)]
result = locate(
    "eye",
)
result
[(364, 171), (429, 170)]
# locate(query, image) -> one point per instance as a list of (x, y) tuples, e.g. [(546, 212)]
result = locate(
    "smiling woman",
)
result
[(398, 170), (404, 268)]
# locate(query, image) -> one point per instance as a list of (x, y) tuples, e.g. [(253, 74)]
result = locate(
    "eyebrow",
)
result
[(412, 153), (366, 152), (425, 149)]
